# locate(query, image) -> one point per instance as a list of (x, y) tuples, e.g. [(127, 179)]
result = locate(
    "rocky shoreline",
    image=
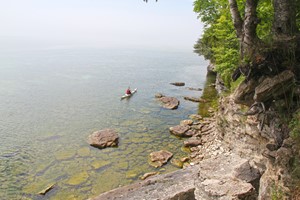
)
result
[(229, 159), (230, 163)]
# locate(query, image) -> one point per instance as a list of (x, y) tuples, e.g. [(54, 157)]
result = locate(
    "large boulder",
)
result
[(103, 138), (169, 102), (159, 158)]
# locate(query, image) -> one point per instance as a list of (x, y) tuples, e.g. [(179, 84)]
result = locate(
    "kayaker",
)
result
[(128, 91)]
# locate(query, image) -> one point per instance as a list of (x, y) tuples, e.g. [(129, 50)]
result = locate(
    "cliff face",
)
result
[(238, 159), (259, 145)]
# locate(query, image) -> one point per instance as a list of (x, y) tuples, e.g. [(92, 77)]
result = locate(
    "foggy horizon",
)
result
[(166, 24)]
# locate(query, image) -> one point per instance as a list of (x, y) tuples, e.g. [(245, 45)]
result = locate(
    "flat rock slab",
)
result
[(180, 130), (169, 102), (159, 158), (103, 138), (221, 178), (178, 185), (214, 178), (273, 87)]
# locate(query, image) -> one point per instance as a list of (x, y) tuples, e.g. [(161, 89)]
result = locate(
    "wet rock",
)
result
[(178, 83), (169, 102), (186, 122), (177, 163), (179, 130), (195, 99), (196, 117), (103, 138), (47, 189), (195, 89), (190, 133), (148, 175), (192, 142), (159, 95), (185, 159), (159, 158)]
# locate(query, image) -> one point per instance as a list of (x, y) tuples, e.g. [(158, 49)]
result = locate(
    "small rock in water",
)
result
[(196, 89), (178, 83), (170, 102), (159, 95), (148, 175), (47, 189), (159, 158), (195, 99)]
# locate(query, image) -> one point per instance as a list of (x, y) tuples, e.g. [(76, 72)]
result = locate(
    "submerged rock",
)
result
[(159, 95), (159, 158), (103, 138), (78, 178), (195, 89), (169, 102), (177, 163)]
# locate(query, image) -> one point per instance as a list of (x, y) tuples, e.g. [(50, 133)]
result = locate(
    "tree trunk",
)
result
[(284, 18), (245, 29), (250, 24)]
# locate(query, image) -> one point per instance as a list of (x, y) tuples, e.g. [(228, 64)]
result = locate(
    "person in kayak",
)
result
[(128, 91)]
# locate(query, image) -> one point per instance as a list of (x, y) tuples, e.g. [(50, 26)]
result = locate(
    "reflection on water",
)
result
[(52, 100), (209, 94)]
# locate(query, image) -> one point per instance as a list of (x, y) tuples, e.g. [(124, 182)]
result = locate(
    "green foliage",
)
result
[(208, 10), (265, 12), (236, 83), (276, 193), (219, 42), (294, 125)]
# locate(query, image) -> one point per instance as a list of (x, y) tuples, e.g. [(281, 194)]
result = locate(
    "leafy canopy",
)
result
[(219, 43)]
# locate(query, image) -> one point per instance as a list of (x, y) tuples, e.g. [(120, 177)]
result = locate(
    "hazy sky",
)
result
[(99, 23)]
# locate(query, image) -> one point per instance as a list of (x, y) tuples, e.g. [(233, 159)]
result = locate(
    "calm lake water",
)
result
[(51, 100)]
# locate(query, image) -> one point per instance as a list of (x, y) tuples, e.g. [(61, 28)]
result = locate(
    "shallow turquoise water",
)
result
[(51, 100)]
